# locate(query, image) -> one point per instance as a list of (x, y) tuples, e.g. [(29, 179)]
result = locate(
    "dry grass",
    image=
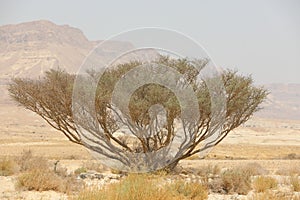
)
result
[(209, 170), (263, 183), (7, 167), (185, 190), (294, 180), (28, 162), (236, 181), (146, 187), (254, 168), (41, 180), (37, 175)]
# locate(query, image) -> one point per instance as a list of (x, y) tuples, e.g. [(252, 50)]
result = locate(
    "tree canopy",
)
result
[(51, 98)]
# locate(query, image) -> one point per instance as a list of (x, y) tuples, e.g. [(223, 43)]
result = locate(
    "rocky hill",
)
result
[(28, 49)]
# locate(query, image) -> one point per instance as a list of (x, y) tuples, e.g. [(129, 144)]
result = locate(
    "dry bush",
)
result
[(29, 162), (46, 179), (41, 180), (294, 180), (235, 180), (263, 183), (136, 187), (188, 190), (37, 175), (7, 167), (272, 195)]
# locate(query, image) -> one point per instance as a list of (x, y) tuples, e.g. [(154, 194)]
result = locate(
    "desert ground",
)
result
[(273, 144)]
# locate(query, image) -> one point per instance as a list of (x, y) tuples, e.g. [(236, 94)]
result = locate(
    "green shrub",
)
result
[(80, 170)]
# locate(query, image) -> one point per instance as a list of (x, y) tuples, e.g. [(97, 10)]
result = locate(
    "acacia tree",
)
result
[(150, 141)]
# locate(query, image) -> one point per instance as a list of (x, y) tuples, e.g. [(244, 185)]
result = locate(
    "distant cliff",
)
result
[(29, 49)]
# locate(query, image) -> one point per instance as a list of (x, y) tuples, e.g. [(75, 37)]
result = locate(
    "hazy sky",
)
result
[(257, 37)]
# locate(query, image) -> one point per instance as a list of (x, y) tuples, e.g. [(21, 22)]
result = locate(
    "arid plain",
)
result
[(271, 138)]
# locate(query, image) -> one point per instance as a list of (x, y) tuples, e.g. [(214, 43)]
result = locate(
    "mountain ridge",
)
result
[(28, 49)]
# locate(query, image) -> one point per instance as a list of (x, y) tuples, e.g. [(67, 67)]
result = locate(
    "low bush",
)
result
[(80, 170), (36, 174), (294, 180), (235, 180), (263, 183), (188, 190), (40, 180)]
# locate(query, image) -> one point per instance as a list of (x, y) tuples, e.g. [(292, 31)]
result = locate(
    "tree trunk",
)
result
[(169, 168)]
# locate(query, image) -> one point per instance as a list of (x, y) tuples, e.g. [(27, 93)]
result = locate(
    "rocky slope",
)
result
[(29, 49)]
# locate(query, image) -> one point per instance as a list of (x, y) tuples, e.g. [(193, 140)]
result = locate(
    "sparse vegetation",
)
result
[(295, 182), (46, 179), (7, 166), (209, 170), (146, 187), (291, 171), (41, 180), (263, 183), (27, 161), (80, 170), (236, 180), (188, 190), (36, 174), (254, 169)]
